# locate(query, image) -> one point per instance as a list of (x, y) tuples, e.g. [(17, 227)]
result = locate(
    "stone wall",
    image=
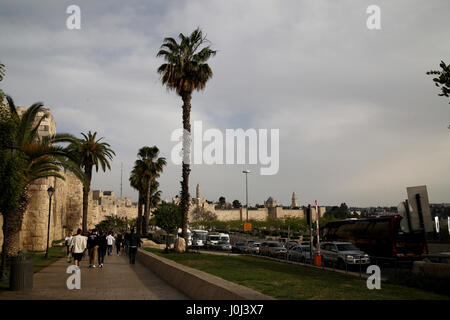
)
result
[(65, 216)]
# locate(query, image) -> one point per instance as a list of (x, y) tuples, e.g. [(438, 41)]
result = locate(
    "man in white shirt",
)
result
[(77, 246), (67, 241), (110, 241)]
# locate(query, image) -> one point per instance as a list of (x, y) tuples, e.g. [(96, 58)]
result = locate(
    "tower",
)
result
[(294, 203), (198, 191)]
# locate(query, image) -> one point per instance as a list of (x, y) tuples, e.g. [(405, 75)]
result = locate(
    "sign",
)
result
[(436, 222), (247, 226), (419, 209)]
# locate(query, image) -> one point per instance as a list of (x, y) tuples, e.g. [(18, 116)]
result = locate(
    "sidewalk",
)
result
[(117, 280)]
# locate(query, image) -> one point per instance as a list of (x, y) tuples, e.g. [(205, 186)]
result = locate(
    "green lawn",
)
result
[(54, 253), (286, 281)]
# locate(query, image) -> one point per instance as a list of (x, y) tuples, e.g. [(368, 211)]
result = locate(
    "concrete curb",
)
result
[(194, 283)]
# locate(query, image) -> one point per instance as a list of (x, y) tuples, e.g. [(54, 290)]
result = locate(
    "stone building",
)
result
[(67, 204), (271, 209)]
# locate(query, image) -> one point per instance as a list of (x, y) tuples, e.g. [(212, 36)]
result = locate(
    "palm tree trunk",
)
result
[(139, 217), (86, 189), (184, 203), (12, 224), (147, 208)]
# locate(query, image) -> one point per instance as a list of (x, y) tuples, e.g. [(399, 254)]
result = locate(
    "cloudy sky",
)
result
[(359, 119)]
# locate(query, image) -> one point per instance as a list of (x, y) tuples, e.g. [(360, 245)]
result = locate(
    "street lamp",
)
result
[(246, 191), (50, 191)]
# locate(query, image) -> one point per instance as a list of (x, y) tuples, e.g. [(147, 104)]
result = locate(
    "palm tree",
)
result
[(137, 182), (25, 158), (2, 71), (147, 167), (185, 70), (90, 152)]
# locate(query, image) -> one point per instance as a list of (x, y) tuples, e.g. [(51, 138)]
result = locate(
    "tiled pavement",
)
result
[(117, 280)]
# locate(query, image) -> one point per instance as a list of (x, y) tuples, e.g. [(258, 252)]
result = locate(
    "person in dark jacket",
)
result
[(102, 246), (135, 242), (92, 248), (118, 243)]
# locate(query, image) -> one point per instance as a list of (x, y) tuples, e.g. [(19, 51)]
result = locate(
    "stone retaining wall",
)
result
[(194, 283)]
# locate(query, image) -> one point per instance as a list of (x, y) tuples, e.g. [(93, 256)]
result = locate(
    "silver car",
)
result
[(272, 249), (300, 253), (341, 254), (254, 248)]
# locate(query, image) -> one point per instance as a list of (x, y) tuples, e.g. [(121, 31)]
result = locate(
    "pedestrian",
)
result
[(78, 246), (92, 247), (67, 242), (135, 242), (102, 246), (110, 241), (127, 242), (118, 243)]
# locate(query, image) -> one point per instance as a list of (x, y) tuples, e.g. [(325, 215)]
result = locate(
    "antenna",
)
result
[(121, 171)]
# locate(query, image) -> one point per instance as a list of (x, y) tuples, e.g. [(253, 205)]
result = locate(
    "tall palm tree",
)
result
[(148, 167), (137, 182), (25, 158), (2, 71), (90, 152), (186, 70)]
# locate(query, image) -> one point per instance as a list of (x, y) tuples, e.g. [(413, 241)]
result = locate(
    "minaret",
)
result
[(198, 191), (294, 203)]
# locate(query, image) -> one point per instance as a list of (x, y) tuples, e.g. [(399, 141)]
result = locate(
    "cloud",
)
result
[(356, 112)]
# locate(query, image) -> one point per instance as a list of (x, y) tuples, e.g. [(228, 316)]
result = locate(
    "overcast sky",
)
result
[(359, 119)]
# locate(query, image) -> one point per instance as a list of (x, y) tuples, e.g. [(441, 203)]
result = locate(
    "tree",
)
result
[(112, 223), (2, 75), (138, 184), (168, 217), (25, 158), (90, 152), (2, 71), (443, 81), (236, 204), (201, 214), (147, 169), (185, 70), (222, 202)]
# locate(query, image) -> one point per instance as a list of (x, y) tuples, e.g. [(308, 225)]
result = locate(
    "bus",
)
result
[(199, 237), (189, 236), (380, 236)]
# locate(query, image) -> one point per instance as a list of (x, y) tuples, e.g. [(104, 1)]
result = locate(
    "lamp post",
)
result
[(50, 191), (246, 192)]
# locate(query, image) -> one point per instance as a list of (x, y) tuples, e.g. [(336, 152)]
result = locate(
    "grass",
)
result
[(286, 281), (40, 262)]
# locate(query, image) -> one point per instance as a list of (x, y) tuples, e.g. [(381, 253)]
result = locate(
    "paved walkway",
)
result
[(117, 280)]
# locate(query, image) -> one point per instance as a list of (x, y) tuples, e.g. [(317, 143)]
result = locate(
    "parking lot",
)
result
[(388, 266)]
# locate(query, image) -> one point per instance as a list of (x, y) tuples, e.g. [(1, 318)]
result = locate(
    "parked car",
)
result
[(212, 239), (272, 249), (290, 244), (300, 253), (239, 247), (223, 245), (341, 253), (254, 248)]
